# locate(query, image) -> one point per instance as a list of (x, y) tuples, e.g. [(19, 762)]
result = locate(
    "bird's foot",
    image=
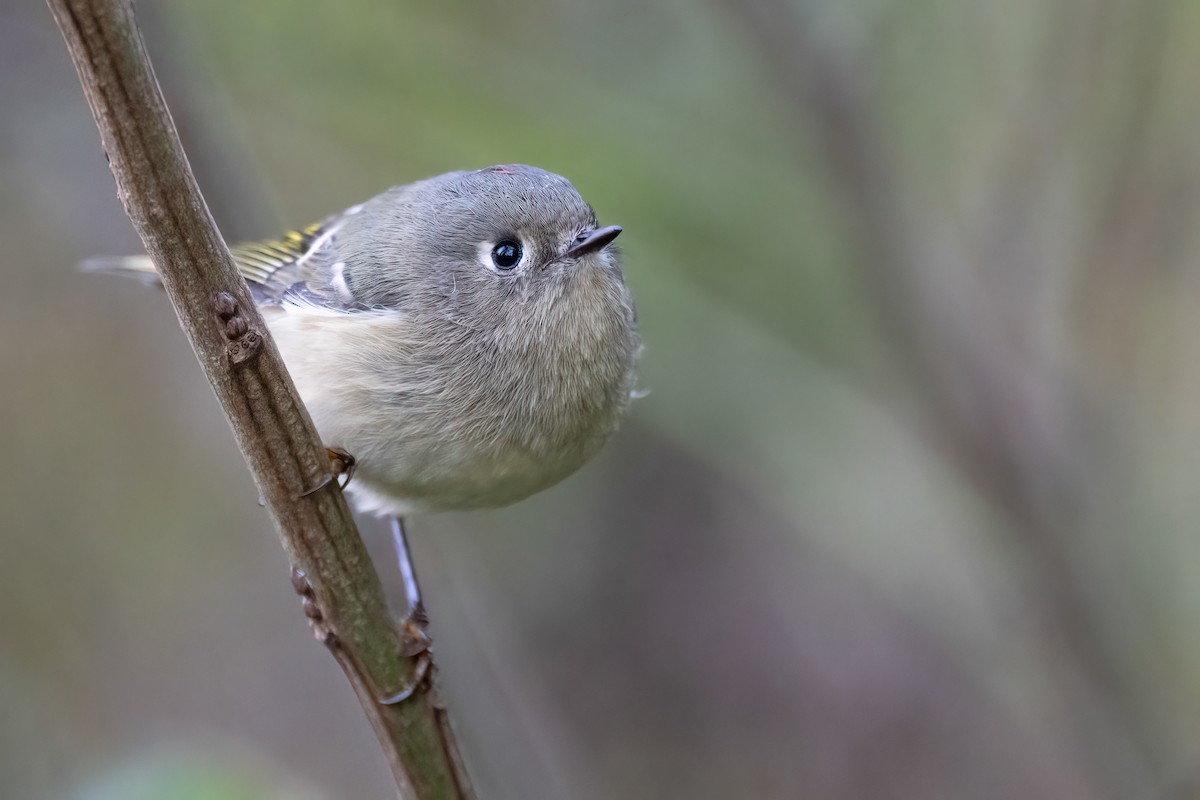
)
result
[(415, 641), (414, 632), (421, 678), (413, 637), (341, 469), (342, 465)]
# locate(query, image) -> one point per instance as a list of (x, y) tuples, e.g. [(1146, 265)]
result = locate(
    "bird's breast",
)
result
[(442, 416)]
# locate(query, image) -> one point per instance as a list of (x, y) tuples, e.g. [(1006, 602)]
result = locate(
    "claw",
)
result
[(341, 468), (420, 678), (323, 483), (413, 633), (342, 464)]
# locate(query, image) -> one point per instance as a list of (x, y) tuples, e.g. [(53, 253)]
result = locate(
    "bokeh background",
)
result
[(910, 511)]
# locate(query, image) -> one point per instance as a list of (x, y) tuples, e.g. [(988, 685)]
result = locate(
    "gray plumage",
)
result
[(453, 381)]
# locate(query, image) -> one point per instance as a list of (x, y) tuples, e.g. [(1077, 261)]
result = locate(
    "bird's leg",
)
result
[(412, 627), (415, 620)]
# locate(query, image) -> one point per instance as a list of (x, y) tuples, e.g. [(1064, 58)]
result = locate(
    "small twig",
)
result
[(342, 593)]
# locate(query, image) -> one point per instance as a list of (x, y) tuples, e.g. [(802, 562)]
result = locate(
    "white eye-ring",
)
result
[(503, 256)]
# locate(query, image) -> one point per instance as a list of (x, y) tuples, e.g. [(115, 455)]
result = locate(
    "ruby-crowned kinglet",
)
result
[(468, 339)]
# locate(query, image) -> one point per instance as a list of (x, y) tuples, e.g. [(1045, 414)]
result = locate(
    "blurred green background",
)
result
[(911, 509)]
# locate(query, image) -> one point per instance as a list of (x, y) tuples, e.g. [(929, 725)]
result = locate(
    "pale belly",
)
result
[(417, 449)]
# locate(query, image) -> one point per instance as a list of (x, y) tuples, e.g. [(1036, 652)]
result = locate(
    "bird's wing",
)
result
[(302, 267), (299, 268)]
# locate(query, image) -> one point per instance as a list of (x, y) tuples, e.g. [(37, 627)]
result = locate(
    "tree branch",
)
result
[(342, 594)]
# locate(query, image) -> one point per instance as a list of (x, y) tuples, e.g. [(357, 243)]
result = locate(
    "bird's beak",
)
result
[(591, 241)]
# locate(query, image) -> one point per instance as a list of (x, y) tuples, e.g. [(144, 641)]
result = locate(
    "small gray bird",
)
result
[(468, 339)]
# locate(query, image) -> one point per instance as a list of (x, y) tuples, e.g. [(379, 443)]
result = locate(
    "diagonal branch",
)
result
[(342, 593)]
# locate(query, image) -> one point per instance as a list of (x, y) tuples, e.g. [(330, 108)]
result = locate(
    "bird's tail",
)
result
[(139, 267)]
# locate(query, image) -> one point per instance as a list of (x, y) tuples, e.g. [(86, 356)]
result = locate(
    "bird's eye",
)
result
[(506, 254)]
